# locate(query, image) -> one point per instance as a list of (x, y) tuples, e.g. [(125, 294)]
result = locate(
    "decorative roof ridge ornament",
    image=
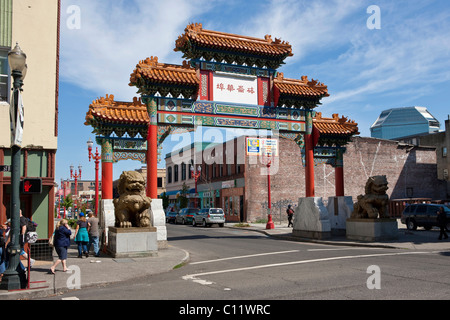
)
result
[(335, 118), (152, 61), (304, 80), (109, 102), (197, 42), (194, 27)]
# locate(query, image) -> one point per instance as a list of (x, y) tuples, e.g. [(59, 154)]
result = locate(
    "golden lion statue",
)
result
[(132, 208), (375, 202)]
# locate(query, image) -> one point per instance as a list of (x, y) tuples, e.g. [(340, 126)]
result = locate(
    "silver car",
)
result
[(209, 216)]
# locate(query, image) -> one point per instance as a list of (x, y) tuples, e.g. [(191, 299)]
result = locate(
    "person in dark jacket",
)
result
[(290, 214), (442, 222), (61, 242)]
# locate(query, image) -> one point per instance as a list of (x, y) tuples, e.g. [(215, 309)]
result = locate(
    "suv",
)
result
[(209, 216), (186, 215), (423, 215)]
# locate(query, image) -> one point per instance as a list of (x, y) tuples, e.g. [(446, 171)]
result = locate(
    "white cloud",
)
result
[(115, 35), (309, 26)]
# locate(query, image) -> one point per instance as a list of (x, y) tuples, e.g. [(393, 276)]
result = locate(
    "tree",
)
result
[(165, 200), (67, 202), (183, 200)]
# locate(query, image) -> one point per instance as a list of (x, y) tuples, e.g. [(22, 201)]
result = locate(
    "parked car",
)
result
[(171, 216), (209, 216), (423, 215), (186, 215)]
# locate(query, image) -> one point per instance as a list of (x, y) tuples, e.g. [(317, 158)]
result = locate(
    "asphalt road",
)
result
[(241, 265)]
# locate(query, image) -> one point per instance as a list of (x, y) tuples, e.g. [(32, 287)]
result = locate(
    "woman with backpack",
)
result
[(82, 236)]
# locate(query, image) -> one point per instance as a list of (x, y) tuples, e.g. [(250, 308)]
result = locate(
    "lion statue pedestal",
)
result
[(133, 234), (311, 219), (370, 219)]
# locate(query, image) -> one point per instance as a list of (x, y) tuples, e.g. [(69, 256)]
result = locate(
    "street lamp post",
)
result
[(268, 160), (96, 159), (196, 174), (11, 278), (59, 199), (75, 176), (63, 184)]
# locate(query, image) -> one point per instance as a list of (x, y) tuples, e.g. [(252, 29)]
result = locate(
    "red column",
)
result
[(152, 150), (339, 173), (107, 170), (309, 156)]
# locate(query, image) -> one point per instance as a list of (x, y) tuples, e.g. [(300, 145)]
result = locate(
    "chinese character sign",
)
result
[(235, 89)]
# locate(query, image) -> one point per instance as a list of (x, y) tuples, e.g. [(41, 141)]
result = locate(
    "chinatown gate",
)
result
[(227, 81)]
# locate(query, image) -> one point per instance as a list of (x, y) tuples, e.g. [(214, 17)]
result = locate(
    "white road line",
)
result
[(342, 248), (194, 276), (247, 256), (70, 298)]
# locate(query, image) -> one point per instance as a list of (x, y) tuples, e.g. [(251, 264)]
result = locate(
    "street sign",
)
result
[(4, 168)]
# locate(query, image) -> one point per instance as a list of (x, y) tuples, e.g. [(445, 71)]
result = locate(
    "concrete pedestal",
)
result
[(106, 217), (339, 210), (372, 229), (311, 219), (159, 222), (132, 242)]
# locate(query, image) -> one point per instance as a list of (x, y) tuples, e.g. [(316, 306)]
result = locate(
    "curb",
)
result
[(328, 242), (52, 290)]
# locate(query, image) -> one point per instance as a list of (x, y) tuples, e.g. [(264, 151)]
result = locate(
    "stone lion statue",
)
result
[(132, 208), (374, 204)]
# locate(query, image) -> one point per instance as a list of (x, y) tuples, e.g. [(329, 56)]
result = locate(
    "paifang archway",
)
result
[(228, 81)]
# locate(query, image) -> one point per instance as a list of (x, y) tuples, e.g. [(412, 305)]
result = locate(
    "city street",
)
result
[(231, 264)]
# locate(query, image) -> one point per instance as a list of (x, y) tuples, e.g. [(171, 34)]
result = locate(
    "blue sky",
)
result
[(404, 63)]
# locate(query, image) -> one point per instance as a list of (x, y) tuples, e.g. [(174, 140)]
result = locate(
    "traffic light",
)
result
[(31, 185)]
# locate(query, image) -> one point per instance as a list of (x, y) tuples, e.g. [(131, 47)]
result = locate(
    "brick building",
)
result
[(440, 141)]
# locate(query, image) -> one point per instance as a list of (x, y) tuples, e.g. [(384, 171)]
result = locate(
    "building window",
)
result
[(183, 171), (4, 77), (169, 175), (160, 184), (207, 172), (175, 173), (444, 151)]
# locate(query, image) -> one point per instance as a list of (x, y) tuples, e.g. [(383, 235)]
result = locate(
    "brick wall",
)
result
[(405, 167)]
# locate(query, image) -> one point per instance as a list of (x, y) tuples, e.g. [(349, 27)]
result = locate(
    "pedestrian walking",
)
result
[(23, 237), (61, 242), (290, 214), (93, 233), (442, 222), (82, 236), (3, 228)]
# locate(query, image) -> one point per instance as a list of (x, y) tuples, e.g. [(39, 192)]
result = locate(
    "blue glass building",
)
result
[(397, 123)]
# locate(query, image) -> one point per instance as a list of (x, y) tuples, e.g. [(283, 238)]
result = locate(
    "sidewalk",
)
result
[(94, 271), (414, 240)]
